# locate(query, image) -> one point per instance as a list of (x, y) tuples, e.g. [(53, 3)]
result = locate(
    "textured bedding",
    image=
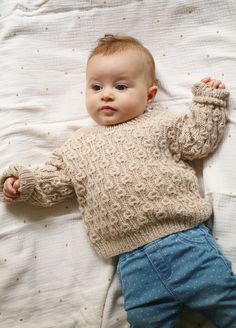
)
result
[(50, 277)]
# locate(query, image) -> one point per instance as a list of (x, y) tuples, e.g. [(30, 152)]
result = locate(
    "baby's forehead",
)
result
[(126, 55), (124, 64)]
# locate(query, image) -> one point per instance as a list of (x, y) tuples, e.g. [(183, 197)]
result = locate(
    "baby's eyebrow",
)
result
[(123, 77), (92, 79)]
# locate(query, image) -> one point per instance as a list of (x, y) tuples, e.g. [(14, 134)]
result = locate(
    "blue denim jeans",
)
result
[(182, 269)]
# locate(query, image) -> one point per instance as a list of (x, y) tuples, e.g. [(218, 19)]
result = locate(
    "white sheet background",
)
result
[(49, 275)]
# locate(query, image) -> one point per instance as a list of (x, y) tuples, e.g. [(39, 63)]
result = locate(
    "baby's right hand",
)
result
[(11, 189)]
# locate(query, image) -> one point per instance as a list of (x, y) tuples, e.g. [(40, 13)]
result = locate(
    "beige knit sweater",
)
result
[(132, 181)]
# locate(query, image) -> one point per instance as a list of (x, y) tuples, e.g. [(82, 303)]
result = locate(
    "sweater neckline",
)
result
[(139, 118)]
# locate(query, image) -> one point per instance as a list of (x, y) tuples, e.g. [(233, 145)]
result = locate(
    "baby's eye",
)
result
[(96, 87), (121, 87)]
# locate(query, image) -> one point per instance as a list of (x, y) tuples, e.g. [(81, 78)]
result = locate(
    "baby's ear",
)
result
[(152, 91)]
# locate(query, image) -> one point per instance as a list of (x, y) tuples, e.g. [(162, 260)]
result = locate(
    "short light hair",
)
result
[(110, 44)]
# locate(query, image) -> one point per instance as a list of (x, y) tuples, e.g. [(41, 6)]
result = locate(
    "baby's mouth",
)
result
[(107, 109)]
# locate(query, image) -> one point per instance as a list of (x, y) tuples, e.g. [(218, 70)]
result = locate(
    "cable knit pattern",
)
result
[(132, 181)]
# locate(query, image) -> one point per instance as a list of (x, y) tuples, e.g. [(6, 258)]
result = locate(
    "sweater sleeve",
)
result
[(43, 186), (196, 136)]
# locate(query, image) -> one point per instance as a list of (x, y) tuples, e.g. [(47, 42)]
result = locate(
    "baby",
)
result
[(137, 193)]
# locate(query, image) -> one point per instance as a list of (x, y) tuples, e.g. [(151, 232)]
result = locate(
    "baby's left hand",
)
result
[(212, 83)]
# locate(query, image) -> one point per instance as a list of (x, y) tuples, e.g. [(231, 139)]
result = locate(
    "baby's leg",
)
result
[(214, 287), (148, 302), (184, 268), (201, 277)]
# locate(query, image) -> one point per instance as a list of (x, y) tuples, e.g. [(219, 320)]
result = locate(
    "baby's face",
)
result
[(117, 87)]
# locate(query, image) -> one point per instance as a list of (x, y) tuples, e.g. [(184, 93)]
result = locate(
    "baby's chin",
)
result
[(113, 118), (117, 122), (108, 120)]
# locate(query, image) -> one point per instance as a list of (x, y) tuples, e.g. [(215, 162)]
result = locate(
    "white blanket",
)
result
[(49, 274)]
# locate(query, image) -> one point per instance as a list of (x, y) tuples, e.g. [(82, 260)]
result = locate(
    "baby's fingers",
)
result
[(206, 79), (8, 199), (221, 86), (16, 185), (10, 194), (8, 185), (10, 188), (216, 84), (212, 83)]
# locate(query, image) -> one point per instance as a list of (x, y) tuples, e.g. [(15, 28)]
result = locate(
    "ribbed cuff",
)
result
[(26, 179), (210, 101)]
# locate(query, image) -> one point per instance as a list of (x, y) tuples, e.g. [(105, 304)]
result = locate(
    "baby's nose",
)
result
[(107, 94)]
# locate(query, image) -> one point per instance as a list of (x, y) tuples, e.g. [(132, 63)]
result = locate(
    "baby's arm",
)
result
[(43, 186), (196, 136)]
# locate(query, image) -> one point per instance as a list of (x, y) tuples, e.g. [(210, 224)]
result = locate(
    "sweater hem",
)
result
[(138, 239)]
